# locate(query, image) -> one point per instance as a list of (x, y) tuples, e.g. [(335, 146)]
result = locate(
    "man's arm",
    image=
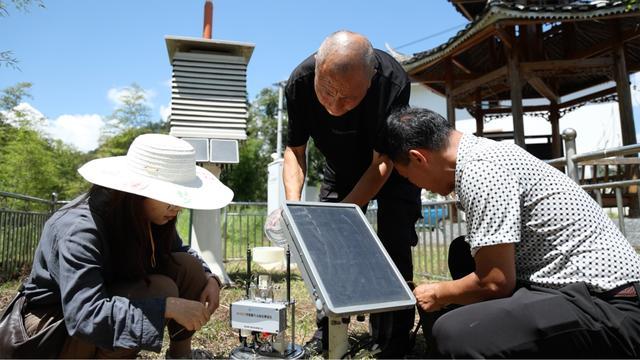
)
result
[(371, 181), (294, 170), (494, 277)]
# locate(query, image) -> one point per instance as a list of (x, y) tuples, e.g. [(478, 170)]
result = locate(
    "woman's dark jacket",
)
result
[(72, 266)]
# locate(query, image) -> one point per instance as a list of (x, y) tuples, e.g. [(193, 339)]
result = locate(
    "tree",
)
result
[(33, 164), (117, 145), (248, 179), (30, 162), (67, 160), (262, 123), (132, 113), (315, 165), (12, 97), (265, 110), (6, 56)]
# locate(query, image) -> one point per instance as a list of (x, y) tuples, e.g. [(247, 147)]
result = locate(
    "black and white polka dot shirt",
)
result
[(561, 234)]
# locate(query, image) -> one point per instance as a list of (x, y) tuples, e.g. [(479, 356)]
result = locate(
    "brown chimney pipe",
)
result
[(208, 19)]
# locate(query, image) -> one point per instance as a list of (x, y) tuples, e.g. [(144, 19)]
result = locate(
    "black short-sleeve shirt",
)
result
[(347, 142)]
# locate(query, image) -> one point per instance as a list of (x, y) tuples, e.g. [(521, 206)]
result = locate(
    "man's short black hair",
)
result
[(415, 128)]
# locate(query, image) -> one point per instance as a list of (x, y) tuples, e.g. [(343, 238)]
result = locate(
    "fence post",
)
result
[(54, 201), (619, 204), (569, 136), (598, 195)]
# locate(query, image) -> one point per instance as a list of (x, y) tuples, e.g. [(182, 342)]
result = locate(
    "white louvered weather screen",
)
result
[(208, 89)]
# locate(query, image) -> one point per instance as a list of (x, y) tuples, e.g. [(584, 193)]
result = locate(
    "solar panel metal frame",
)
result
[(311, 275)]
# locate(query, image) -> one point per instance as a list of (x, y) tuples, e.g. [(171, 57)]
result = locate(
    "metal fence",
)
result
[(242, 228), (243, 223), (442, 221), (21, 221), (22, 218)]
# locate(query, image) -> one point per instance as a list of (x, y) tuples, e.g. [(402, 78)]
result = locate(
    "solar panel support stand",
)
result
[(338, 338)]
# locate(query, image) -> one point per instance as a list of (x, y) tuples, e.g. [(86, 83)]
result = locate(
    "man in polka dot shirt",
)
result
[(542, 272)]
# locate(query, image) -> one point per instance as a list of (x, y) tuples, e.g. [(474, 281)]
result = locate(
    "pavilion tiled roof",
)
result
[(500, 10)]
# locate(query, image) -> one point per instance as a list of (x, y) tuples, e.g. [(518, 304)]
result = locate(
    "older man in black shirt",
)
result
[(341, 97)]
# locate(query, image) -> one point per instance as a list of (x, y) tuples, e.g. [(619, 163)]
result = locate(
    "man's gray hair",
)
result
[(347, 50)]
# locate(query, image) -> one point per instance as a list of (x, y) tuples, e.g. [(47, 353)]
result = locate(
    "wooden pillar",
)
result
[(554, 119), (515, 83), (448, 77), (479, 114), (621, 77), (627, 125)]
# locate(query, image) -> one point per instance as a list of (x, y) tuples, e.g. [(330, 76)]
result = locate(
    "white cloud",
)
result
[(28, 108), (81, 131), (115, 95), (35, 118)]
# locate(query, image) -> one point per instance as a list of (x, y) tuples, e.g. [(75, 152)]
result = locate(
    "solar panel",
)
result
[(342, 260)]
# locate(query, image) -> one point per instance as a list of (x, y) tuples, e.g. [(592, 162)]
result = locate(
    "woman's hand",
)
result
[(211, 295), (192, 315)]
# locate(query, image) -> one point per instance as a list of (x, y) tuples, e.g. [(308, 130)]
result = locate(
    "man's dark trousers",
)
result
[(538, 322)]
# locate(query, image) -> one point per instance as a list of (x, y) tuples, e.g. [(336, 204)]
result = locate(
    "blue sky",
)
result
[(80, 54)]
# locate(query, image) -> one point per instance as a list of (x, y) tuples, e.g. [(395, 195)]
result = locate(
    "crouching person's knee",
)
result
[(454, 339), (162, 286)]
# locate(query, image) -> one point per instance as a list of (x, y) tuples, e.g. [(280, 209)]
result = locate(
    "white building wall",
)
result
[(421, 96), (597, 125)]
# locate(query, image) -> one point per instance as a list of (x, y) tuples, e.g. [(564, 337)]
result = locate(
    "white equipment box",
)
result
[(269, 317)]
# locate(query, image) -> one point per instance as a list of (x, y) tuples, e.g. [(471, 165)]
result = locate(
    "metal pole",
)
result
[(54, 200), (598, 194), (288, 255), (279, 130), (620, 210), (207, 26), (569, 136), (293, 325), (248, 272), (291, 306)]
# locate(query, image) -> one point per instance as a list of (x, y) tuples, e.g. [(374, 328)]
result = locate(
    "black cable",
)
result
[(361, 345), (430, 36)]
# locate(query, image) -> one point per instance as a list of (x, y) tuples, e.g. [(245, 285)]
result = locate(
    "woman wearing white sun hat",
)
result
[(111, 262)]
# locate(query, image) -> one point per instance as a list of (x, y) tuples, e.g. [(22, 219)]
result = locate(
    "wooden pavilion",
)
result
[(530, 56)]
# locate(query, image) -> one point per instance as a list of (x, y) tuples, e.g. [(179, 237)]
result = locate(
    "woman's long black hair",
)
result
[(128, 235)]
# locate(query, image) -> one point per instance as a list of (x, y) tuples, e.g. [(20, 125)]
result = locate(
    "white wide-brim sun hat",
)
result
[(160, 167)]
